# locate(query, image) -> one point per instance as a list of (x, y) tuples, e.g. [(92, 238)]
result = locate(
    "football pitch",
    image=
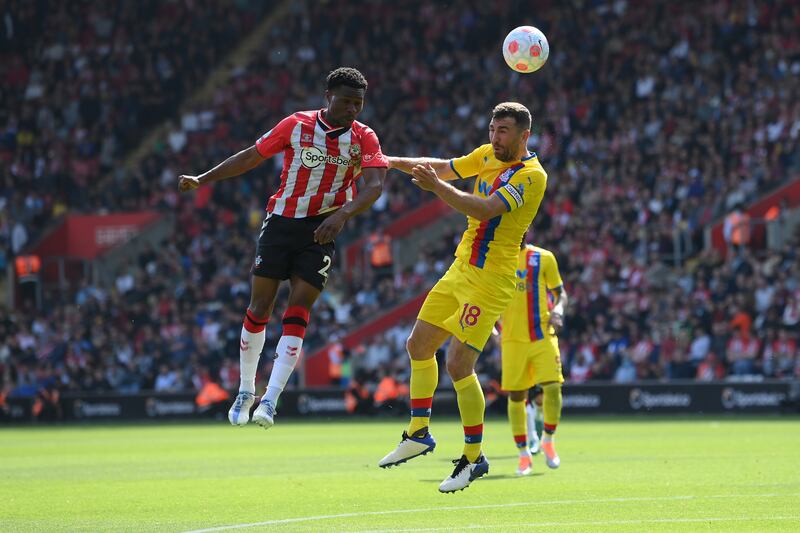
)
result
[(636, 474)]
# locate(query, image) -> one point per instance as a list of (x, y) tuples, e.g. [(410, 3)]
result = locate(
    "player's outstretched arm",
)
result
[(373, 187), (235, 165), (425, 177), (407, 164)]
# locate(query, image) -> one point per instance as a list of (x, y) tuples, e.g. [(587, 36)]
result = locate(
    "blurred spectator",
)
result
[(167, 380), (358, 399), (626, 372), (736, 229), (780, 355), (580, 371), (212, 399), (391, 393), (743, 350), (379, 248), (710, 368)]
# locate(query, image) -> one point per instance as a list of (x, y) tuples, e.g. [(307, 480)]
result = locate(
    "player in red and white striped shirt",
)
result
[(325, 152)]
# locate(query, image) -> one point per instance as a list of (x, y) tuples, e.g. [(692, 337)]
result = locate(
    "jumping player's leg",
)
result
[(471, 406), (471, 403), (422, 344), (295, 321), (482, 297), (262, 300), (464, 305), (307, 264)]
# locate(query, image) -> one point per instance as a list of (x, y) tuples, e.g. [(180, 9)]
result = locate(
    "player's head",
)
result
[(509, 131), (345, 95)]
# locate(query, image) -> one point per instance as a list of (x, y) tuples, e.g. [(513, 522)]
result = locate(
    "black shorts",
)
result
[(286, 247)]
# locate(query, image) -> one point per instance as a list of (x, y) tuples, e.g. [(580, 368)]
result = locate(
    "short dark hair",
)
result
[(346, 76), (515, 110)]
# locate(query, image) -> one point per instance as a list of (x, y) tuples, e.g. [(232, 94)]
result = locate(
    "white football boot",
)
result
[(420, 443), (464, 474), (264, 414), (239, 413)]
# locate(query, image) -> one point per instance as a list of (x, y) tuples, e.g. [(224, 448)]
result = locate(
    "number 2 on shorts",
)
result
[(324, 270)]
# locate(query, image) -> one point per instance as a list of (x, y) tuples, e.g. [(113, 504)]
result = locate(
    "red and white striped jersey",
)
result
[(321, 163)]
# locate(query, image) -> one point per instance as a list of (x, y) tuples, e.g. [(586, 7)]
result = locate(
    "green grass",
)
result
[(616, 475)]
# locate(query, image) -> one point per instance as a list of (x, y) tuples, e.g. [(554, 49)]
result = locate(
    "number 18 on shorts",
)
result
[(467, 302)]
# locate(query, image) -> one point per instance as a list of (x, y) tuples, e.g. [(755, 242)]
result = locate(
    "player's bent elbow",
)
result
[(483, 215), (489, 211), (491, 207), (374, 190)]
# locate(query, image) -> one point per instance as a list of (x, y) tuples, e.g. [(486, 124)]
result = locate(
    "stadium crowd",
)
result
[(653, 120), (83, 82)]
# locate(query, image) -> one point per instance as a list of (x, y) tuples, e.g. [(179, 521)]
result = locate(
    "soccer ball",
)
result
[(525, 49)]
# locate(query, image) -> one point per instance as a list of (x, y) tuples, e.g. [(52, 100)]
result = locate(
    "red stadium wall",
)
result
[(88, 236), (82, 238), (789, 192), (316, 365), (402, 226)]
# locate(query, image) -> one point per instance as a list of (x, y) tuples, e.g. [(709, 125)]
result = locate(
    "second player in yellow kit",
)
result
[(464, 305), (529, 347), (529, 342)]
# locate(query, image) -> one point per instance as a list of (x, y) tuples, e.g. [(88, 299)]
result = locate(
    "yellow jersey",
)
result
[(528, 316), (493, 244)]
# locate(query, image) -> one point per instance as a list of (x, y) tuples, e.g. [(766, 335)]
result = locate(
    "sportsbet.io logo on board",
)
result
[(642, 399), (738, 399), (312, 157)]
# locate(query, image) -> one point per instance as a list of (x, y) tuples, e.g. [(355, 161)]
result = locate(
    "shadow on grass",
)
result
[(490, 477), (492, 458)]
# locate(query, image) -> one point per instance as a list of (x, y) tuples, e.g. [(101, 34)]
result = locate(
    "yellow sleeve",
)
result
[(525, 186), (469, 165), (552, 277)]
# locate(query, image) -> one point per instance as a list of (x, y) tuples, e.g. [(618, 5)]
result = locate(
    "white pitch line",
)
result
[(472, 507), (599, 523)]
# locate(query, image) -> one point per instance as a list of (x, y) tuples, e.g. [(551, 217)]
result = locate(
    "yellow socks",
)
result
[(424, 378), (471, 405), (551, 404), (519, 422)]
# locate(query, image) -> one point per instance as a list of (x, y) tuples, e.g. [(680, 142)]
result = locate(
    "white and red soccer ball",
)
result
[(526, 49)]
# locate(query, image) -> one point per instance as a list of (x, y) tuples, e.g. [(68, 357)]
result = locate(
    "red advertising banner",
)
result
[(88, 236)]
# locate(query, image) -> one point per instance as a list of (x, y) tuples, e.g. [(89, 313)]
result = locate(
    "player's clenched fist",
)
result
[(188, 183)]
